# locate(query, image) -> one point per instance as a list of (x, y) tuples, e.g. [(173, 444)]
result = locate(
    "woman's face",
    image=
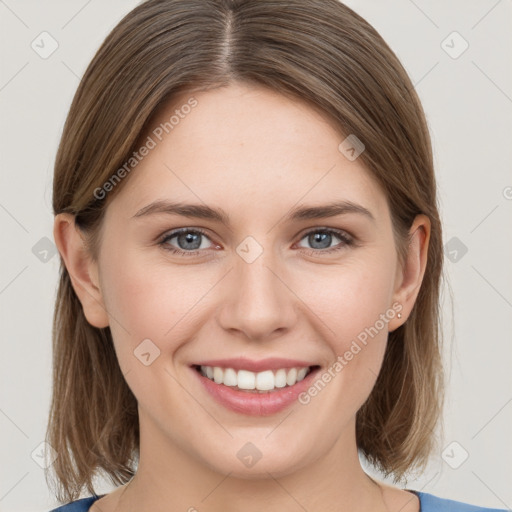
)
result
[(264, 282)]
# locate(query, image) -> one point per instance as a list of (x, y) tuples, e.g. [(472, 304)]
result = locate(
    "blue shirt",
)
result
[(428, 503)]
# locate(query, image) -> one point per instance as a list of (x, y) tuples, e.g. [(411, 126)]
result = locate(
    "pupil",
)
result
[(322, 237), (190, 238)]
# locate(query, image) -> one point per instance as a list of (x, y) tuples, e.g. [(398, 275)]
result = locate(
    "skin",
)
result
[(256, 154)]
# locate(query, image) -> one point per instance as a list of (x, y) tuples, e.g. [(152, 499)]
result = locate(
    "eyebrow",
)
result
[(201, 211)]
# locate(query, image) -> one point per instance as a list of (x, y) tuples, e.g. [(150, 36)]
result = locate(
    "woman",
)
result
[(246, 213)]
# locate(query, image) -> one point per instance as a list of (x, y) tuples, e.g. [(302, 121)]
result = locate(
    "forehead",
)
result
[(240, 145)]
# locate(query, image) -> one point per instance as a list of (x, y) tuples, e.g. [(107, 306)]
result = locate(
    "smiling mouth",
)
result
[(266, 381)]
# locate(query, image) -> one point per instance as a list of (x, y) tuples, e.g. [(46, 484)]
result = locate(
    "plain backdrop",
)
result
[(458, 56)]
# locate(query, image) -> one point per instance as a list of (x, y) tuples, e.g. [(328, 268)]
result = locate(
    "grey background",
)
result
[(468, 102)]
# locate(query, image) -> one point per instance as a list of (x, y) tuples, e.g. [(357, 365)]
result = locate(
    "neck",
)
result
[(169, 478)]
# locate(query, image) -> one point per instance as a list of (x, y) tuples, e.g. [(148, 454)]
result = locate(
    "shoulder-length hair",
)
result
[(316, 51)]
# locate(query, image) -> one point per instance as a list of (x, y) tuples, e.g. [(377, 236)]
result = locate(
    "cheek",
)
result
[(159, 302), (354, 305), (351, 298), (166, 303)]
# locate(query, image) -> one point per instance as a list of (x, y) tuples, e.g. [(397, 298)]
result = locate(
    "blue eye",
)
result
[(190, 241), (326, 238)]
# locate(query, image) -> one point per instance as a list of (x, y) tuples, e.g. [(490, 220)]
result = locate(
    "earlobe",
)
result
[(82, 270), (410, 276)]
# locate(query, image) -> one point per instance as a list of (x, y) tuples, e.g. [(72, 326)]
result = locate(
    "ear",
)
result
[(410, 276), (82, 270)]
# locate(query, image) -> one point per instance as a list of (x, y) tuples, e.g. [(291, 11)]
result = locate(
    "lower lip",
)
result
[(256, 404)]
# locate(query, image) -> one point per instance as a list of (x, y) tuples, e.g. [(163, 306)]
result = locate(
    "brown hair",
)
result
[(317, 51)]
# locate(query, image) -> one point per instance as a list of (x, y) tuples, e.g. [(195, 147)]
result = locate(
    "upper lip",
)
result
[(242, 363)]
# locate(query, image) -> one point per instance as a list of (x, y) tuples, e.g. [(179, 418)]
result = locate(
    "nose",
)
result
[(258, 302)]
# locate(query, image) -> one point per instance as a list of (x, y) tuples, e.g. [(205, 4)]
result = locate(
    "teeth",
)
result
[(301, 374), (291, 378), (246, 380), (230, 377), (218, 375), (280, 379), (265, 381), (261, 381)]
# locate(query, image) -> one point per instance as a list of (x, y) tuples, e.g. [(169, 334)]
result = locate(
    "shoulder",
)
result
[(428, 503), (431, 503), (81, 505)]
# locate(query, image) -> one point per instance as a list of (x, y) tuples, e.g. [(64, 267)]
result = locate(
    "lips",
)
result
[(255, 399), (242, 363)]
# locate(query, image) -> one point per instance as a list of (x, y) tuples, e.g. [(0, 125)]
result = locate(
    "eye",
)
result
[(189, 241), (321, 239)]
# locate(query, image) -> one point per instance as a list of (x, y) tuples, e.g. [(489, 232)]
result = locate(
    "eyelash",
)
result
[(347, 241)]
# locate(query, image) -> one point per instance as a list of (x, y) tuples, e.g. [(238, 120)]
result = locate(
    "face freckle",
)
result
[(253, 291)]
